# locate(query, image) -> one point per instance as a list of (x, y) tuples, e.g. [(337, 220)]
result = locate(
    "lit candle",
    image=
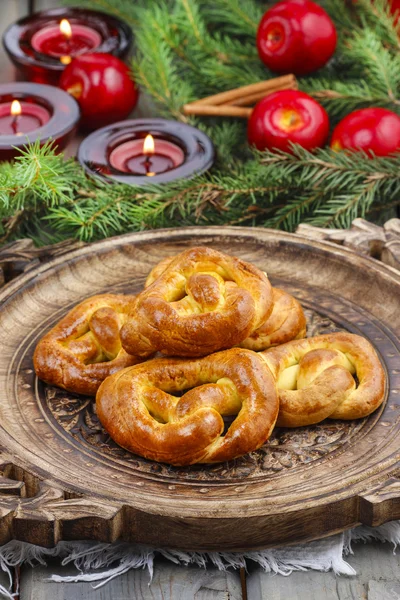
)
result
[(17, 118), (65, 41), (43, 43), (30, 112), (146, 151), (149, 157)]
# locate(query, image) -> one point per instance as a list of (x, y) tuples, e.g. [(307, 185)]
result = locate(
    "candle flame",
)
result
[(15, 108), (148, 144), (65, 60), (65, 28)]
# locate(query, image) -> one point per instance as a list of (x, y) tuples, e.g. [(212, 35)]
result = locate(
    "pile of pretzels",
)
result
[(202, 364)]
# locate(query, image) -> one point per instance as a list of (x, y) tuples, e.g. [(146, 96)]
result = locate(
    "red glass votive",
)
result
[(32, 117), (52, 42), (129, 157), (117, 152), (47, 113), (36, 45)]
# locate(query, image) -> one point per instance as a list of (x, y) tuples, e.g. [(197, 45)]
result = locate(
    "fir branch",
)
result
[(124, 9), (42, 176), (377, 16), (187, 49), (340, 98), (275, 189), (381, 67), (239, 17), (38, 179), (205, 200), (339, 186)]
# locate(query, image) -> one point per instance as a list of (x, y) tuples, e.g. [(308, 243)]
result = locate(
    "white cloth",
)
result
[(114, 559)]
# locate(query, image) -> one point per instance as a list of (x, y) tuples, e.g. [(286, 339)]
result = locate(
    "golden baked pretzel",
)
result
[(158, 270), (315, 378), (286, 322), (85, 346), (139, 408), (203, 301)]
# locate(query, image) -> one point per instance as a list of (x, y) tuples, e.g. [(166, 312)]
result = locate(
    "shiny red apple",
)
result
[(374, 130), (296, 36), (102, 85), (288, 116), (395, 8)]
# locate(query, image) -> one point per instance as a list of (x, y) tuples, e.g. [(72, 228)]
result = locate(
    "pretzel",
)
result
[(139, 409), (158, 270), (203, 301), (85, 347), (315, 378), (286, 322)]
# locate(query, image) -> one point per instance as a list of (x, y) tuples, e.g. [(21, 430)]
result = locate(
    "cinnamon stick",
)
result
[(263, 86), (256, 97), (217, 111)]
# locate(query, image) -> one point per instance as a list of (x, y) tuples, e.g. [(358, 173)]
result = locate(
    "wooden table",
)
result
[(377, 567)]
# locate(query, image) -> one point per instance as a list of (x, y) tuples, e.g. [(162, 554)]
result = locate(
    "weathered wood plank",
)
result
[(383, 590), (170, 582), (308, 585), (378, 578)]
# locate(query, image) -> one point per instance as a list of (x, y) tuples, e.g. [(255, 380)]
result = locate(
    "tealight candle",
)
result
[(143, 151), (42, 44), (65, 41), (31, 112), (17, 118), (149, 157)]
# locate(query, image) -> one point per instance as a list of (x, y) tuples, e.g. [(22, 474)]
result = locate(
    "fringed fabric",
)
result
[(98, 563)]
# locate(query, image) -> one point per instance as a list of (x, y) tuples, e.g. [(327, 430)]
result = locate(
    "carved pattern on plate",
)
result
[(286, 449), (79, 485)]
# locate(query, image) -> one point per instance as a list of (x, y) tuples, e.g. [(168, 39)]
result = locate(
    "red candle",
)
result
[(18, 118), (150, 157), (65, 41)]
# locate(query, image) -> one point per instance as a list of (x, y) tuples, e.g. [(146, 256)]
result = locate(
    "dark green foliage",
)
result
[(187, 49)]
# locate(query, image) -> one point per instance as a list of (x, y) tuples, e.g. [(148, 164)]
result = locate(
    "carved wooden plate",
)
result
[(63, 478)]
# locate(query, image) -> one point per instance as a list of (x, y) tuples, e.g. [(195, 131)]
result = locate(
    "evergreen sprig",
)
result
[(37, 181), (273, 189), (187, 49)]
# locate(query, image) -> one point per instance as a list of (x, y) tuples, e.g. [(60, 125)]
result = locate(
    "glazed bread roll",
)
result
[(286, 322), (201, 302), (140, 409), (85, 346), (316, 378)]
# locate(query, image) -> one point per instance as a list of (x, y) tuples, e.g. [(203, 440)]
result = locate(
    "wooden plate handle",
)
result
[(381, 504)]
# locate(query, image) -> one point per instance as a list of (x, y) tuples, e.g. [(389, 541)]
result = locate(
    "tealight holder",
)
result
[(33, 111), (40, 49), (144, 151)]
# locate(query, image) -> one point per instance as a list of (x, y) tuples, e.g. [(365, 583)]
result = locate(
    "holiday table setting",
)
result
[(239, 143)]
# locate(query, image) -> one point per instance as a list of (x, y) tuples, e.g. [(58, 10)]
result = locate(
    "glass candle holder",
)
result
[(31, 112), (144, 151), (42, 44)]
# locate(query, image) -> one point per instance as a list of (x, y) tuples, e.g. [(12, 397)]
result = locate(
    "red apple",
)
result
[(296, 36), (395, 7), (374, 130), (288, 116), (102, 86)]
